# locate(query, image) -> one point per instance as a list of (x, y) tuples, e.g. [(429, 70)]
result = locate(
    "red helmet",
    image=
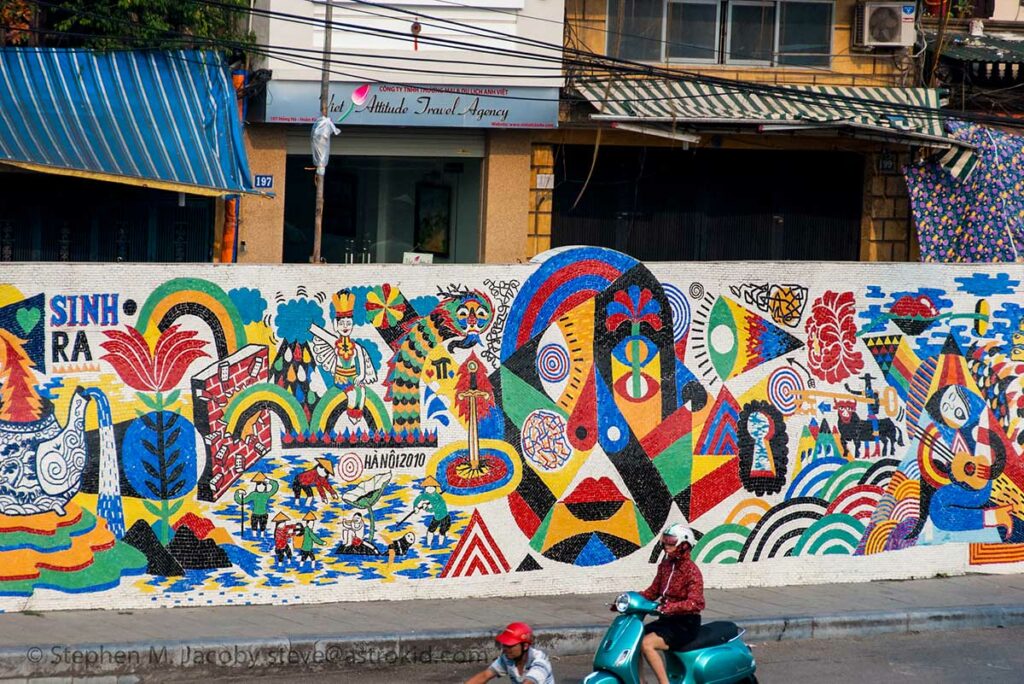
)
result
[(515, 633)]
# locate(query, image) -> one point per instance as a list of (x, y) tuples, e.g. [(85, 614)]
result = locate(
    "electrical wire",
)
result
[(273, 51), (626, 66), (623, 67), (637, 36), (864, 105), (487, 33), (401, 36)]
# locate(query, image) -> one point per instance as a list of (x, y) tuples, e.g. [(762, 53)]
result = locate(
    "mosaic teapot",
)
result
[(41, 463)]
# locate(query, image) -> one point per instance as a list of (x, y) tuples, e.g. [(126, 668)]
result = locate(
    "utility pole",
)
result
[(945, 8), (325, 83)]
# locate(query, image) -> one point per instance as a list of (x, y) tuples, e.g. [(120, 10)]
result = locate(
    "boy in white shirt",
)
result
[(519, 660)]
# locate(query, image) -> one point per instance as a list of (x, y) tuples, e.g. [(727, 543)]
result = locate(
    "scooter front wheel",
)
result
[(601, 678)]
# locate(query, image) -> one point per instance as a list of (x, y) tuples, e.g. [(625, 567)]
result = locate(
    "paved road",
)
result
[(977, 656)]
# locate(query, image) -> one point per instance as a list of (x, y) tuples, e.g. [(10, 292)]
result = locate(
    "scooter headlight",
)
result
[(622, 603)]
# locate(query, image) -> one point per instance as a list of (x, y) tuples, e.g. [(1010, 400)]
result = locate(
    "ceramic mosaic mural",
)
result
[(265, 434)]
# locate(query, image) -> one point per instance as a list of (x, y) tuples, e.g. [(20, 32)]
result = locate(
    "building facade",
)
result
[(117, 156), (727, 183), (437, 114), (549, 150)]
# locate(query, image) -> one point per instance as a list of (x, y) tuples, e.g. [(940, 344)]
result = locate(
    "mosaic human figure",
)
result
[(310, 540), (259, 501), (440, 519), (304, 482), (284, 531), (347, 360)]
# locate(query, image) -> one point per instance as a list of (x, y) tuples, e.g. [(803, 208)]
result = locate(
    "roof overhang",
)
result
[(963, 47), (908, 115), (159, 119)]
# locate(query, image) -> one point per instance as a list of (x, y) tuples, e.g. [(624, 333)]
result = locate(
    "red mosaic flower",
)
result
[(832, 337), (156, 371)]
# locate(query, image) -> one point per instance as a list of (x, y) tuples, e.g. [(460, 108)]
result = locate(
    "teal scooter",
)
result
[(717, 656)]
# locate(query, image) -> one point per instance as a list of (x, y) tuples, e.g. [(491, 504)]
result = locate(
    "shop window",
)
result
[(99, 221), (769, 33), (636, 29), (805, 33), (376, 209), (664, 204)]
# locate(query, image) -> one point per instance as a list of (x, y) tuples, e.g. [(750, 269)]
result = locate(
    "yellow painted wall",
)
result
[(588, 26), (506, 206), (886, 228), (261, 226), (542, 165)]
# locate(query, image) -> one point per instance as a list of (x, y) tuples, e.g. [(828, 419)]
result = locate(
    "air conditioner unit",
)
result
[(884, 24)]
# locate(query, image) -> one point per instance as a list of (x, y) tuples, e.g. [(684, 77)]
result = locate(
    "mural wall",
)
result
[(212, 435)]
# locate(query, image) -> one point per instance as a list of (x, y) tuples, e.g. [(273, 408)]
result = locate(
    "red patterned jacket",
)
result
[(679, 584)]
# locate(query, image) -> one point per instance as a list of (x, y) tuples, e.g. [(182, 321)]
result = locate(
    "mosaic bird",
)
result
[(458, 320)]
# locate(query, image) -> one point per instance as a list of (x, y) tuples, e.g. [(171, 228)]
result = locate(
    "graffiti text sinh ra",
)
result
[(84, 309)]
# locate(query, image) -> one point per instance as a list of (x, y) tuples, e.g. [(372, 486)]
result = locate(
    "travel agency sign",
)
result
[(383, 104)]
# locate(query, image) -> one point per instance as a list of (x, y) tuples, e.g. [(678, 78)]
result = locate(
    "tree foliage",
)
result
[(117, 24), (16, 22)]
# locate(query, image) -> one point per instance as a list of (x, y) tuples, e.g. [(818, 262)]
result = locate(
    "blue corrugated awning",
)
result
[(158, 119)]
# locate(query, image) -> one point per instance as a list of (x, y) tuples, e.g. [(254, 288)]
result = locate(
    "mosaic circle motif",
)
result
[(499, 472), (553, 363), (680, 307), (783, 387), (350, 467), (696, 290), (543, 440), (723, 339)]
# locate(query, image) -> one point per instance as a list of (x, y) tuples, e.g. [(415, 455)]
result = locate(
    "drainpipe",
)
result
[(229, 243)]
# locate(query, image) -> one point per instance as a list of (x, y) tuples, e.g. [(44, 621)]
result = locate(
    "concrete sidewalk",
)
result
[(262, 640)]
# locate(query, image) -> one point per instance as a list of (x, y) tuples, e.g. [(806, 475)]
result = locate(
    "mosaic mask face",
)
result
[(582, 391)]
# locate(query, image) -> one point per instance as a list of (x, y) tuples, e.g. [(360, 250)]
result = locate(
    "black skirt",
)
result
[(676, 630)]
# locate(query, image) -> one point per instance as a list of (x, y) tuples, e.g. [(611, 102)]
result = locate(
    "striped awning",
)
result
[(166, 120), (889, 113)]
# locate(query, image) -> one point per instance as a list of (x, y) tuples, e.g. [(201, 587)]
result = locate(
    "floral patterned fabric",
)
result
[(981, 219)]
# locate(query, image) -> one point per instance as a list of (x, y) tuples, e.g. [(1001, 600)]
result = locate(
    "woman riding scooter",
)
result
[(679, 588)]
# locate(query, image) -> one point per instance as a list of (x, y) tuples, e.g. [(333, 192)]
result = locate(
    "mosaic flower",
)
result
[(158, 370), (636, 307), (832, 337)]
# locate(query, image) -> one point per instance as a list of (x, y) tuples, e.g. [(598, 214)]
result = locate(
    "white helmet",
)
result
[(680, 532)]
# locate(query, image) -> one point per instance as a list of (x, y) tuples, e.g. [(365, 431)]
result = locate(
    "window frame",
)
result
[(831, 35), (717, 59), (723, 35), (774, 5)]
